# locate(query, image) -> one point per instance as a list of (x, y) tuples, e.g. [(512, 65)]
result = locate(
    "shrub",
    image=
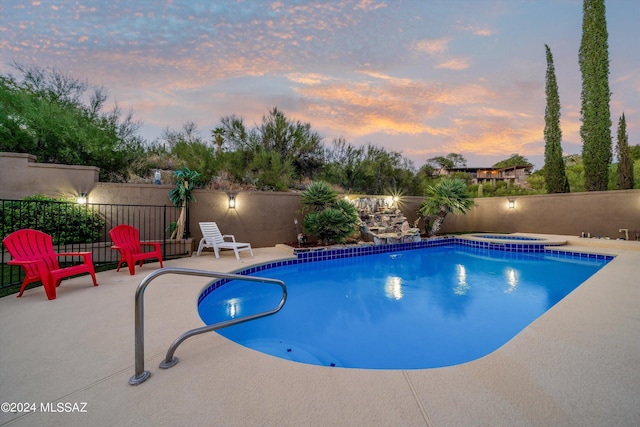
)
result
[(65, 221), (318, 196), (330, 219)]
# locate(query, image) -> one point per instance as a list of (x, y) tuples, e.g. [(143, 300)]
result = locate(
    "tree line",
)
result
[(595, 131), (62, 119)]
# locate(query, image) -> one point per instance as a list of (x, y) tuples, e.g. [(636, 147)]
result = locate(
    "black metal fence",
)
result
[(85, 228)]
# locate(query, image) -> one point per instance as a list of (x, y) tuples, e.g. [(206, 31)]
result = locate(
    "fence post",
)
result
[(164, 233), (187, 231)]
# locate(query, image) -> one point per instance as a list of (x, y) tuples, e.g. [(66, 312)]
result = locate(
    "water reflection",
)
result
[(393, 287), (513, 280), (463, 287), (233, 307)]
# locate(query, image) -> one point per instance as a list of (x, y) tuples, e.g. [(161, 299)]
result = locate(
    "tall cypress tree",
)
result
[(555, 177), (596, 117), (625, 161)]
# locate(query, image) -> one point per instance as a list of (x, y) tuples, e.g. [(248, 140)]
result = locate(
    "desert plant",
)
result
[(328, 218), (317, 196), (180, 196), (447, 196)]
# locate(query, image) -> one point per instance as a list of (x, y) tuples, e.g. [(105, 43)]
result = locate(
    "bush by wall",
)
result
[(68, 222)]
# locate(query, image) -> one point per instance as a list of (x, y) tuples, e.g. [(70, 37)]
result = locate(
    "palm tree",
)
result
[(447, 196)]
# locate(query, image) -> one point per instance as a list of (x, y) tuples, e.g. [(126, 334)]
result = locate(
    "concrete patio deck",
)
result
[(577, 365)]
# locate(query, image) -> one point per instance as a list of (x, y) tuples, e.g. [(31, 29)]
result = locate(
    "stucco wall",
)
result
[(267, 218), (262, 218), (600, 213), (21, 176)]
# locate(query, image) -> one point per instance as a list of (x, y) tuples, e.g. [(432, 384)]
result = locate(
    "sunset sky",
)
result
[(422, 77)]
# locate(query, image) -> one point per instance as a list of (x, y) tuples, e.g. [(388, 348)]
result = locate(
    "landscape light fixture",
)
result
[(232, 201), (82, 199), (512, 202)]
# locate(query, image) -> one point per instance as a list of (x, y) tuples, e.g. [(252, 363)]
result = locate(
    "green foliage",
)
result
[(500, 189), (328, 218), (317, 196), (186, 181), (14, 137), (156, 157), (464, 176), (596, 117), (368, 169), (625, 161), (612, 184), (278, 146), (575, 171), (43, 114), (536, 183), (333, 224), (427, 170), (192, 151), (575, 175), (514, 160), (555, 177), (448, 162), (447, 196), (270, 172), (65, 221), (218, 138), (296, 143)]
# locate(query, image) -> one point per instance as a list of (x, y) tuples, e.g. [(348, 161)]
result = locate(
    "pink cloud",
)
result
[(455, 64)]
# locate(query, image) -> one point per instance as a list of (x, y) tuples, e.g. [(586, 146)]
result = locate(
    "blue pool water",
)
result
[(412, 309)]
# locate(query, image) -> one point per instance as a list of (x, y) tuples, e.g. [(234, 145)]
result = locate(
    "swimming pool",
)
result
[(409, 309)]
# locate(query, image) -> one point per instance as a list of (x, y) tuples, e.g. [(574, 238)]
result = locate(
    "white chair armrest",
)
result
[(233, 238)]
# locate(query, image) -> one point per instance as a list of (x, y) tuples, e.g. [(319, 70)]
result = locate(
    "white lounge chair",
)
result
[(216, 240)]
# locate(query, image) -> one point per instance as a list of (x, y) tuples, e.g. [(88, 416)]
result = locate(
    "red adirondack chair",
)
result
[(33, 251), (126, 240)]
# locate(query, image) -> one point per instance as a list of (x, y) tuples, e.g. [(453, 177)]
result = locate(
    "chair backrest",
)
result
[(126, 237), (211, 233), (29, 245)]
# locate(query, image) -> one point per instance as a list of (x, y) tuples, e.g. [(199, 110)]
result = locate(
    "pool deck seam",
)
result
[(416, 396)]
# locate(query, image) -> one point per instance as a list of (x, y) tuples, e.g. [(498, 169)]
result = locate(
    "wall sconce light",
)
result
[(232, 201), (82, 199), (512, 203)]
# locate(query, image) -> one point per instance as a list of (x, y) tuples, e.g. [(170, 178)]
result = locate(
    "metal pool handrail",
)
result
[(140, 374)]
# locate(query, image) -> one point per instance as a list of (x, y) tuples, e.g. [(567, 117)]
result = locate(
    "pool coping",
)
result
[(498, 239)]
